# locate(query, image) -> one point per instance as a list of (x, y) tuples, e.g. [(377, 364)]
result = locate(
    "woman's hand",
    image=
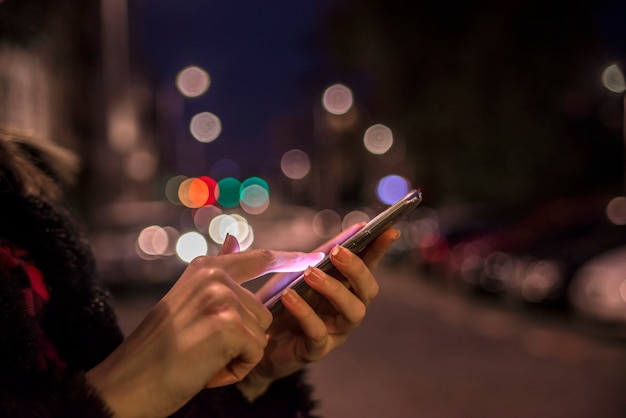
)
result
[(206, 331), (313, 327)]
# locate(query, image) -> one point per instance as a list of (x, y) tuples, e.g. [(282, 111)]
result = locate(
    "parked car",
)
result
[(528, 258)]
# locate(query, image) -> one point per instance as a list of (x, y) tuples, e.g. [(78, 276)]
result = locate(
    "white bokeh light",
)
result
[(295, 164), (235, 225), (205, 127), (190, 246), (193, 81), (153, 240), (613, 79), (378, 139), (337, 99)]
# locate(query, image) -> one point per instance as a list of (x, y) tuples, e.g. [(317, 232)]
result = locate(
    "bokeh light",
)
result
[(235, 225), (243, 227), (337, 99), (353, 218), (222, 225), (248, 240), (378, 139), (203, 216), (193, 81), (256, 210), (213, 189), (295, 164), (254, 191), (205, 127), (193, 192), (172, 186), (391, 188), (613, 79), (229, 192), (153, 240), (541, 280), (326, 223), (191, 245), (156, 241), (254, 195), (616, 210), (255, 181), (598, 288)]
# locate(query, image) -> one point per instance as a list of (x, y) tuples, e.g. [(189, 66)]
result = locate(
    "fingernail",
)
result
[(339, 254), (313, 274), (289, 295), (398, 233)]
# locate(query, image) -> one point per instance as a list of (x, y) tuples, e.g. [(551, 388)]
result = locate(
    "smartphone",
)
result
[(354, 239)]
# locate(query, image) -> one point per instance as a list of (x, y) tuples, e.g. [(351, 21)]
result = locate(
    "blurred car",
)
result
[(529, 258)]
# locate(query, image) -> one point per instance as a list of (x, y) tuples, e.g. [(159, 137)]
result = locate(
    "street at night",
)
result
[(424, 351)]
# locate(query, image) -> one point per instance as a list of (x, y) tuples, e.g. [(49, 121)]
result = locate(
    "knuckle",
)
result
[(206, 266), (209, 273), (318, 339), (266, 256), (231, 320), (359, 313), (218, 299), (374, 291), (198, 263)]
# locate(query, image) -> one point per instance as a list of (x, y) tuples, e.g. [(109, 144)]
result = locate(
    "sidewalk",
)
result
[(425, 352)]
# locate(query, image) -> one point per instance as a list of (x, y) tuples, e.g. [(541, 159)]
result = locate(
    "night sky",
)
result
[(261, 56)]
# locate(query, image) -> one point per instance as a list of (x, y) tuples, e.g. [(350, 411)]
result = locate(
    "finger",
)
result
[(248, 265), (231, 245), (285, 262), (250, 353), (377, 248), (360, 277), (350, 306), (204, 281), (311, 325), (259, 313)]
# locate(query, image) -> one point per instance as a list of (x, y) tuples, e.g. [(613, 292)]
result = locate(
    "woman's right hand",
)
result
[(206, 331)]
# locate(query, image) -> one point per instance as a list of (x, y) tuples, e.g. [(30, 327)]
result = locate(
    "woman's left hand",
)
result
[(307, 330)]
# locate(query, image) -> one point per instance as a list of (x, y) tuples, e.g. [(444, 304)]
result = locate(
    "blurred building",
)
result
[(49, 64)]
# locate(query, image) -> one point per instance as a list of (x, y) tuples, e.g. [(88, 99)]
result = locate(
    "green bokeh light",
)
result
[(229, 192)]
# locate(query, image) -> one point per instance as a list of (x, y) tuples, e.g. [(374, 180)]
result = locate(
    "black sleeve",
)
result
[(26, 390), (290, 397), (50, 395)]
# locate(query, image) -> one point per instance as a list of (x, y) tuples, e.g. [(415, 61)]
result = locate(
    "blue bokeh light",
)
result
[(391, 188)]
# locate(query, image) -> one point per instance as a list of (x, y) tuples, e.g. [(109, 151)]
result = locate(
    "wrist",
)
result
[(124, 389), (253, 387)]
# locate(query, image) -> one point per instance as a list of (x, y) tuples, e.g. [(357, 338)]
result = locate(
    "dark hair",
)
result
[(34, 167)]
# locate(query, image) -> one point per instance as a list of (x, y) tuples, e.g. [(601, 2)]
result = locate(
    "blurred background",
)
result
[(284, 122)]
